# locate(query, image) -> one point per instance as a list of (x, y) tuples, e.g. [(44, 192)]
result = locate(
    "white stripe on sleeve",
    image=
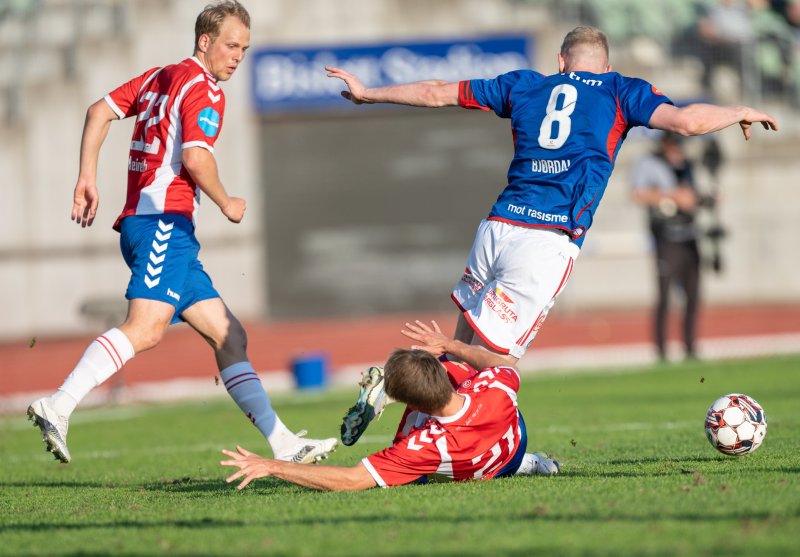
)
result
[(114, 107), (372, 472), (202, 144)]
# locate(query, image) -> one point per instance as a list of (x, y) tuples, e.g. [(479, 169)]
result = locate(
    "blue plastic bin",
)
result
[(310, 371)]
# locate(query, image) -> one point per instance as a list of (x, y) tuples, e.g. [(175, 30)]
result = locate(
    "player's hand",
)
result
[(84, 202), (356, 88), (250, 465), (753, 115), (430, 338), (235, 209)]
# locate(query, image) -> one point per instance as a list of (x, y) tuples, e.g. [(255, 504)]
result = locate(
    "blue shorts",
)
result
[(513, 465), (161, 252)]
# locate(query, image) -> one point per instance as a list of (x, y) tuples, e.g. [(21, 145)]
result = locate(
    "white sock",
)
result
[(246, 389), (103, 358), (528, 464)]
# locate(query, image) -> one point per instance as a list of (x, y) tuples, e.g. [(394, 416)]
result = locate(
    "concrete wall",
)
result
[(49, 267), (758, 207)]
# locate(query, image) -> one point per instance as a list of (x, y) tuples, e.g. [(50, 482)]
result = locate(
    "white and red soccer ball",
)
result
[(736, 424)]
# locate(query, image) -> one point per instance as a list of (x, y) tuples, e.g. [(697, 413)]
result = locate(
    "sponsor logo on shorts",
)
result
[(474, 284), (503, 295), (172, 294), (499, 302)]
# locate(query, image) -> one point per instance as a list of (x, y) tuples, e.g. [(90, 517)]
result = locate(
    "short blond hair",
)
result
[(584, 36), (210, 19)]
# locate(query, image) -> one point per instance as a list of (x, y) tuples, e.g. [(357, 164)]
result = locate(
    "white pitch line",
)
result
[(106, 414), (121, 453), (385, 440)]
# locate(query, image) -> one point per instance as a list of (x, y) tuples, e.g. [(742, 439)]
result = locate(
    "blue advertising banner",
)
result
[(293, 79)]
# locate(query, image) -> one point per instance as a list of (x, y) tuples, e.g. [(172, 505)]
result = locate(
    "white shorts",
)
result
[(513, 276)]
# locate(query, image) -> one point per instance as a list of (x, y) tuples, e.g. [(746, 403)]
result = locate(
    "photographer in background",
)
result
[(663, 182)]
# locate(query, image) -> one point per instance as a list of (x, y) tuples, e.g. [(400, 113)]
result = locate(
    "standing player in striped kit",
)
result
[(567, 129), (179, 112)]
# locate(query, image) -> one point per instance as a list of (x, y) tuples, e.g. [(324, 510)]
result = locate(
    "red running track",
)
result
[(349, 341)]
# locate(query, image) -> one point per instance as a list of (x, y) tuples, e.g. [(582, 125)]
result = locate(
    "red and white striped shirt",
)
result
[(475, 443), (176, 107)]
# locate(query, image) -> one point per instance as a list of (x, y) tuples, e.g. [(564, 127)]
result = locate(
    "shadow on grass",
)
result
[(205, 522), (265, 486), (675, 466), (27, 484), (400, 550), (662, 460), (275, 486), (674, 471), (379, 521)]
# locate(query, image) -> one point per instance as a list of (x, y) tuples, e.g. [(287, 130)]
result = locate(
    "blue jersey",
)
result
[(567, 130)]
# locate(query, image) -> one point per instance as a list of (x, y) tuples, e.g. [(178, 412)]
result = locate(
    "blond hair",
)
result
[(210, 19), (582, 39)]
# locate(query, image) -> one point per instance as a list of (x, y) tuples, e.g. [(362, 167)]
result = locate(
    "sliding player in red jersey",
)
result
[(179, 111), (459, 424)]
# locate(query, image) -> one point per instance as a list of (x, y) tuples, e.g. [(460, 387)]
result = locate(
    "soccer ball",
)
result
[(736, 424)]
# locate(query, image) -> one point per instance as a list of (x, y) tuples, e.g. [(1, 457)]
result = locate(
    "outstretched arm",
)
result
[(431, 93), (95, 129), (431, 339), (699, 119), (334, 478)]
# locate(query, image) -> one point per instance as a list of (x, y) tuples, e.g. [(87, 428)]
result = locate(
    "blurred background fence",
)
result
[(370, 210)]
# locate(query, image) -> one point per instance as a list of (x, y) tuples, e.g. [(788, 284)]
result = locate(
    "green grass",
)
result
[(639, 478)]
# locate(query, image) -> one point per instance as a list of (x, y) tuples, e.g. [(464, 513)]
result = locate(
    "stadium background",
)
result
[(360, 218)]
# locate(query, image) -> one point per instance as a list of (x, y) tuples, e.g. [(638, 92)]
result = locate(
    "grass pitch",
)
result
[(639, 478)]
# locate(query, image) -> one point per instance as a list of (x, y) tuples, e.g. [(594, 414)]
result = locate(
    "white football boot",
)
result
[(53, 428), (537, 464), (309, 451), (372, 400)]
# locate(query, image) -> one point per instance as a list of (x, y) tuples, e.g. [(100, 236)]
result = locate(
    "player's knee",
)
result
[(232, 338), (237, 336), (147, 338), (144, 334)]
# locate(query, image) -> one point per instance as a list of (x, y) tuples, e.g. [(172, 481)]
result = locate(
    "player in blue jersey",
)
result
[(568, 128)]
